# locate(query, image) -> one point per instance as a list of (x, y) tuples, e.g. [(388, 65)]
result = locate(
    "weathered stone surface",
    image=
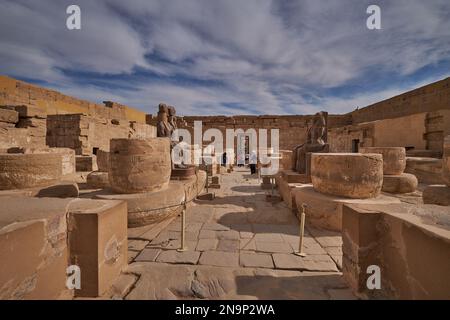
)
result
[(273, 247), (207, 244), (139, 165), (256, 260), (394, 158), (18, 171), (173, 256), (426, 170), (9, 116), (219, 259), (151, 207), (148, 254), (137, 244), (98, 180), (86, 163), (437, 194), (103, 161), (27, 111), (347, 174), (325, 211), (61, 190), (446, 161), (33, 248), (422, 247), (97, 243), (122, 285), (403, 183), (228, 245), (308, 263)]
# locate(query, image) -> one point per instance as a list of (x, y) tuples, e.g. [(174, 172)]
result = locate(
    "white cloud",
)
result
[(267, 56)]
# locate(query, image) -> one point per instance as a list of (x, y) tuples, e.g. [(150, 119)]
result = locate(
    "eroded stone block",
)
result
[(97, 243), (349, 175)]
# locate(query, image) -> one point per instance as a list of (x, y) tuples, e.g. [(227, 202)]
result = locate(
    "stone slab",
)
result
[(173, 256), (219, 259), (256, 260), (308, 263), (325, 211), (148, 254)]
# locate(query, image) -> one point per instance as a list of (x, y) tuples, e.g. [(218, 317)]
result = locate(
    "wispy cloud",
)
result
[(228, 56)]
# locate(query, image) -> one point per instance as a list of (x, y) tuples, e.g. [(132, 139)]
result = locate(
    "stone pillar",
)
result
[(394, 164), (350, 175), (138, 166)]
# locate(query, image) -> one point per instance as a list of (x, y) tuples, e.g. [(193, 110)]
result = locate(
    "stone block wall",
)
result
[(85, 134), (21, 126), (431, 97), (421, 131), (292, 129), (15, 92), (410, 245)]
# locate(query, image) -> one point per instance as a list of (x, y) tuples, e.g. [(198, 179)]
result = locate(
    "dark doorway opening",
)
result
[(355, 145)]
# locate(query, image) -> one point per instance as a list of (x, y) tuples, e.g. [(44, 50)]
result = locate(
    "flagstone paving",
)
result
[(240, 247)]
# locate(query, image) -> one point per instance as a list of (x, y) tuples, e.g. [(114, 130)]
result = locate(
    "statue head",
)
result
[(163, 112), (172, 111)]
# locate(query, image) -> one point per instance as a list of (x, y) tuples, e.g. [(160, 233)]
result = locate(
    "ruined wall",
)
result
[(85, 134), (15, 92), (421, 131), (432, 97), (292, 129), (22, 126), (410, 244)]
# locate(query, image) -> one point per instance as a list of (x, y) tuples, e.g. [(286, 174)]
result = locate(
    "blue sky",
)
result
[(209, 57)]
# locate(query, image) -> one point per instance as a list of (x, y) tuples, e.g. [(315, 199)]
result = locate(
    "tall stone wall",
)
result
[(15, 92), (292, 129), (432, 97), (420, 131)]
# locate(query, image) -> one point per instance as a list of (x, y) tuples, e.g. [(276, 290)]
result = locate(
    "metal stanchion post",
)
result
[(302, 231), (183, 229)]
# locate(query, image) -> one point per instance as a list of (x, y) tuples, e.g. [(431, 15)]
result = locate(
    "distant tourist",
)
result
[(224, 159), (253, 160)]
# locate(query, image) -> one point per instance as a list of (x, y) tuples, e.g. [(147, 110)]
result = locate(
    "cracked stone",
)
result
[(257, 260), (173, 256), (219, 258)]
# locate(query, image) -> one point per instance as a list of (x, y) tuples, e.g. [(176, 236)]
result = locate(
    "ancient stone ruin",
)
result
[(94, 189)]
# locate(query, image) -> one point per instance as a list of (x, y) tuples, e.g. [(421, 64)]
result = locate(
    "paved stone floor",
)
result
[(240, 246)]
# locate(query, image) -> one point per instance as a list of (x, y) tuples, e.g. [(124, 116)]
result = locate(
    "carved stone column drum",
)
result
[(351, 175), (138, 166), (394, 158)]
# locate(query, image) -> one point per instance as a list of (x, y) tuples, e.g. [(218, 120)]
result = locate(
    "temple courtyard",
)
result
[(239, 246)]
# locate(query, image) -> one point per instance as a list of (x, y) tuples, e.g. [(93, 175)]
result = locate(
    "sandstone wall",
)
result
[(410, 245), (21, 129), (85, 134), (15, 92), (432, 97), (292, 129)]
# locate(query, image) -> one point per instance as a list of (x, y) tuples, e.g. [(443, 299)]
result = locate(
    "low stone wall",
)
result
[(41, 237), (410, 244)]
